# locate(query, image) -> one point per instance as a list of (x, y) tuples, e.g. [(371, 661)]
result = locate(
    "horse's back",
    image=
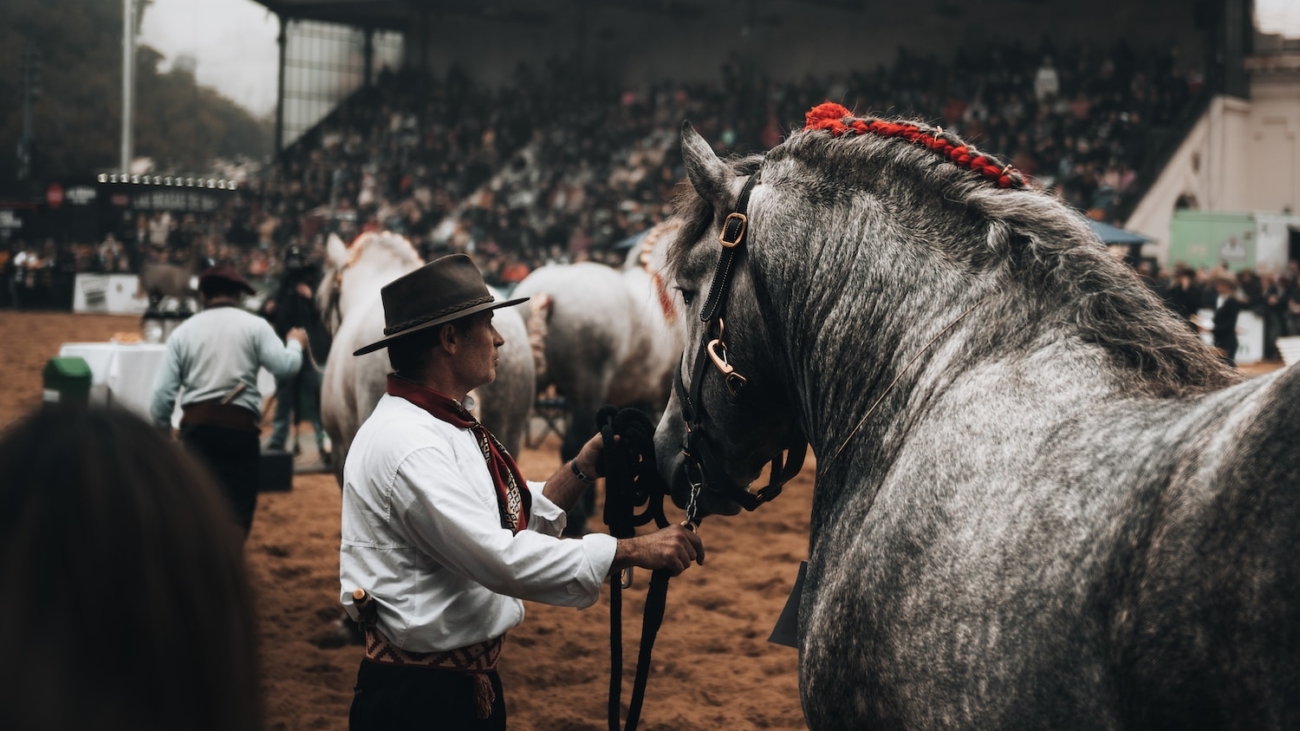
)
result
[(1072, 566), (656, 345), (1220, 594), (589, 329)]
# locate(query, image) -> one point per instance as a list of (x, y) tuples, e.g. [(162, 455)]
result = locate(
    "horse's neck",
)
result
[(859, 365), (363, 280)]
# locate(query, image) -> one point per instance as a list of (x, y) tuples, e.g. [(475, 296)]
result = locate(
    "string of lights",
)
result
[(168, 180)]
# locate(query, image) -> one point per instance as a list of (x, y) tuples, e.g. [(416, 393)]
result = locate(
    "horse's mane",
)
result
[(387, 241), (1032, 238)]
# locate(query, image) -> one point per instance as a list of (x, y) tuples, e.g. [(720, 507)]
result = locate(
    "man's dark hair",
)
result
[(411, 355), (126, 566)]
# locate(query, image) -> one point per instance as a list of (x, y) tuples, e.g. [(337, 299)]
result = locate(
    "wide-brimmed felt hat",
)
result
[(227, 274), (443, 290)]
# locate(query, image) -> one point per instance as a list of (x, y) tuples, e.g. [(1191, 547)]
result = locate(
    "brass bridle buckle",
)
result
[(718, 354), (733, 230)]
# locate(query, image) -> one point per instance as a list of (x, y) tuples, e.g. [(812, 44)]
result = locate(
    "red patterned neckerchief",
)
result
[(513, 498)]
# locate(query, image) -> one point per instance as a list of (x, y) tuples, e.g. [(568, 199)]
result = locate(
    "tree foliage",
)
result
[(77, 119)]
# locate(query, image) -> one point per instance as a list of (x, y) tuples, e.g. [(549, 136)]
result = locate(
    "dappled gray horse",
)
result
[(349, 301), (1040, 501)]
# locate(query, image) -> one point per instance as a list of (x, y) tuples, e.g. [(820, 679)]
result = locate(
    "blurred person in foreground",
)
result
[(442, 536), (293, 306), (127, 604), (214, 356)]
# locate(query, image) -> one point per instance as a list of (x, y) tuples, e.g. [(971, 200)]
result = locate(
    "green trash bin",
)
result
[(67, 380)]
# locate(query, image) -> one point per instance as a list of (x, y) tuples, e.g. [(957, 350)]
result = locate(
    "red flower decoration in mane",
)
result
[(828, 115)]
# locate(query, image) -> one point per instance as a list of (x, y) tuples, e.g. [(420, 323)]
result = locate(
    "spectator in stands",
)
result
[(556, 157), (1047, 84), (127, 603)]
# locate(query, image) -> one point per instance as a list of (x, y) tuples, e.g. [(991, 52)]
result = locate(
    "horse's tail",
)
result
[(539, 326)]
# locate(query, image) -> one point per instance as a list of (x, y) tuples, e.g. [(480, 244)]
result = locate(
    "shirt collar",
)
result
[(427, 398)]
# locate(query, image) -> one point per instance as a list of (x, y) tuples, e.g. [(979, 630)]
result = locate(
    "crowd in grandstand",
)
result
[(557, 167), (554, 166)]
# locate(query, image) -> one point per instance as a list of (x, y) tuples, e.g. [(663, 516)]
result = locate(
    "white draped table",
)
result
[(123, 374)]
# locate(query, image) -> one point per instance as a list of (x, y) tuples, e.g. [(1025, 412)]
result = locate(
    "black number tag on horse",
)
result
[(786, 631)]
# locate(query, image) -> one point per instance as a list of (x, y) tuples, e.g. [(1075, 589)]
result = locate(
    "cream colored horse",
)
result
[(349, 300), (610, 336)]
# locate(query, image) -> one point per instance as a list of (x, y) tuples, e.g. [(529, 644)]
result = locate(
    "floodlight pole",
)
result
[(282, 41), (128, 82)]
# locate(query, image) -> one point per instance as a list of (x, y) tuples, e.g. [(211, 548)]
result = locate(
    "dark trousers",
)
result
[(234, 457), (389, 698), (299, 390)]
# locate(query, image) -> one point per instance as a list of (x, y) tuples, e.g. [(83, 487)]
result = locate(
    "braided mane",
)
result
[(838, 120)]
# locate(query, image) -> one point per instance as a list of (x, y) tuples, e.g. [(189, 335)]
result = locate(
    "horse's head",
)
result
[(357, 272), (729, 415)]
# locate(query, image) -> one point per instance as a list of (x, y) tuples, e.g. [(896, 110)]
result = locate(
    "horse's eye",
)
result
[(688, 295)]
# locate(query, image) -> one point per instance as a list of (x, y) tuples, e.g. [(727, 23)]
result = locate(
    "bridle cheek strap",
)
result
[(697, 448)]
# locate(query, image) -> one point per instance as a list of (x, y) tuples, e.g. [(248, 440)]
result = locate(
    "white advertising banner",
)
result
[(113, 294)]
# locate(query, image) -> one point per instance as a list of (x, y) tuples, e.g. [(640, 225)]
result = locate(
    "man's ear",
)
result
[(448, 337)]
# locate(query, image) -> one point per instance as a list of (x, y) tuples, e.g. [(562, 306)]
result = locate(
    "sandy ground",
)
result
[(713, 667)]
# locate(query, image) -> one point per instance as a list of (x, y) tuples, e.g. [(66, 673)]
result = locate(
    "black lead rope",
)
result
[(631, 481)]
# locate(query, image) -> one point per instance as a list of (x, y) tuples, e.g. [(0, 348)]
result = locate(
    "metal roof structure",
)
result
[(397, 14), (387, 14)]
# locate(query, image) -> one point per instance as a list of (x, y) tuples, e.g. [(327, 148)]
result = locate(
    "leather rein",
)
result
[(704, 469)]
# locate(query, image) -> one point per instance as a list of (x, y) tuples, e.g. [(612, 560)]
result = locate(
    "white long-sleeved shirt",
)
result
[(422, 534), (213, 352)]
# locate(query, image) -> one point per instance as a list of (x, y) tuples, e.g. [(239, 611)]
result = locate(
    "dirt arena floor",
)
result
[(713, 667)]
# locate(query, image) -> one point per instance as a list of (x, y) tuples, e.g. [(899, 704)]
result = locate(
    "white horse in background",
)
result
[(606, 336), (349, 300)]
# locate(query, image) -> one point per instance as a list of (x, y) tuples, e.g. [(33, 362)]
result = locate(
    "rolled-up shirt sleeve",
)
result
[(275, 356), (546, 517), (460, 528)]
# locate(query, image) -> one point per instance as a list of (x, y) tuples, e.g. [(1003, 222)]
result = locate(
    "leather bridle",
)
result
[(704, 469)]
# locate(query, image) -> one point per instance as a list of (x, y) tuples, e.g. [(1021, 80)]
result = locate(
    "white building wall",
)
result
[(1241, 156)]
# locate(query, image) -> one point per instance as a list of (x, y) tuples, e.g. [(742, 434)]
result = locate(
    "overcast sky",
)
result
[(234, 41)]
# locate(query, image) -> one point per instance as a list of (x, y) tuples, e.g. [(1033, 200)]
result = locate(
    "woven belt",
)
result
[(215, 413), (476, 660)]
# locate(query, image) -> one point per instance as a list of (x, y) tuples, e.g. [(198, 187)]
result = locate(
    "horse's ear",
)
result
[(336, 250), (708, 174)]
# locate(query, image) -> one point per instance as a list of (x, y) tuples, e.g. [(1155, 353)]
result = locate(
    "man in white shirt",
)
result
[(441, 535), (214, 357)]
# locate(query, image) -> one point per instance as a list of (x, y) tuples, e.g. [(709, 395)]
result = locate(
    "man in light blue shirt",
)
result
[(213, 359)]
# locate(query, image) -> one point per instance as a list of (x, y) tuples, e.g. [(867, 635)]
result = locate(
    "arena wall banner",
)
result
[(114, 294), (1209, 238), (1273, 240)]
